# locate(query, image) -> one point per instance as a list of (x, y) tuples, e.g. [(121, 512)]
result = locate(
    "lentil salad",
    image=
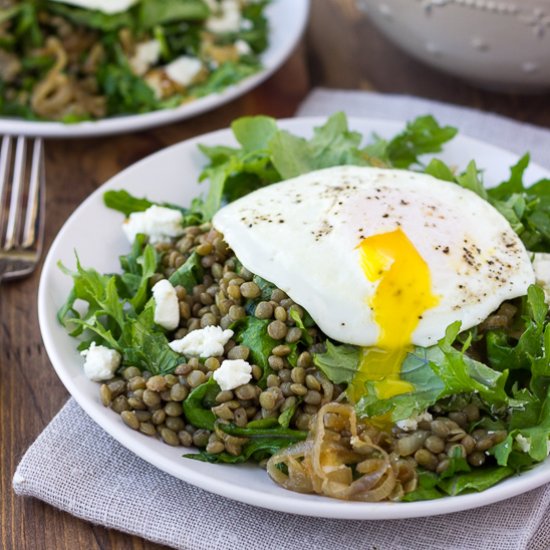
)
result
[(71, 62), (455, 444)]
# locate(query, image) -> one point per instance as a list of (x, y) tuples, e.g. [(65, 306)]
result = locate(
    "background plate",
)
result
[(287, 20), (171, 175)]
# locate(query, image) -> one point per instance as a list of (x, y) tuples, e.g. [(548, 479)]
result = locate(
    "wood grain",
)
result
[(342, 50)]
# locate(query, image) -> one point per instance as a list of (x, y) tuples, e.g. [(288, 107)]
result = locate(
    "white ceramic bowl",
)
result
[(498, 44)]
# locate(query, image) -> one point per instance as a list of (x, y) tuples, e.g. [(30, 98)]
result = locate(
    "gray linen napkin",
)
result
[(77, 467)]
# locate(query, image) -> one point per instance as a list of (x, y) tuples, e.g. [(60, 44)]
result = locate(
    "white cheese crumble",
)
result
[(167, 308), (411, 424), (227, 20), (233, 373), (145, 56), (106, 6), (541, 265), (101, 362), (523, 442), (183, 70), (204, 342), (159, 223), (243, 48)]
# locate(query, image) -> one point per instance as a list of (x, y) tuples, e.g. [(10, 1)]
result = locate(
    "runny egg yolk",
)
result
[(402, 296)]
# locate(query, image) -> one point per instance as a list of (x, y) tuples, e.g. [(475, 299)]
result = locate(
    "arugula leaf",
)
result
[(197, 406), (529, 350), (263, 443), (145, 346), (339, 363), (124, 202), (189, 274), (286, 416), (225, 75), (470, 180), (158, 12), (437, 372), (93, 19), (477, 480), (254, 132), (332, 144), (252, 333), (438, 169), (137, 269), (421, 136), (455, 481), (256, 449)]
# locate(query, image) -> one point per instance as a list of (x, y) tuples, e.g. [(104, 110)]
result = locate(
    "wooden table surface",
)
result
[(340, 50)]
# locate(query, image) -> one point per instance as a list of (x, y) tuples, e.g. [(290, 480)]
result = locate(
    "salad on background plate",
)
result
[(365, 324), (78, 60), (74, 68)]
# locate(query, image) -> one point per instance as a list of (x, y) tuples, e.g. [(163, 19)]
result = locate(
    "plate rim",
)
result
[(323, 507), (300, 10)]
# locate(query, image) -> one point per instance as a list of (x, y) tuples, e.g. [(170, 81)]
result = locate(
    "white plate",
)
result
[(95, 232), (287, 20)]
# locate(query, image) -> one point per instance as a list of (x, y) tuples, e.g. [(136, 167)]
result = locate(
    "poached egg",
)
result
[(382, 259)]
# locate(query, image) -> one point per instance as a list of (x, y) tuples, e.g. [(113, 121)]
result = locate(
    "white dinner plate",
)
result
[(171, 175), (287, 20)]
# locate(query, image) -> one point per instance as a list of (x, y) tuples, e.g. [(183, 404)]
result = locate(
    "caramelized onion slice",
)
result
[(341, 459)]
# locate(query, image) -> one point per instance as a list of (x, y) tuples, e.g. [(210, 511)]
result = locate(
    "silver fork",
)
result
[(21, 220)]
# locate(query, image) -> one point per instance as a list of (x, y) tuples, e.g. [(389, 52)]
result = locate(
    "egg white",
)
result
[(302, 235)]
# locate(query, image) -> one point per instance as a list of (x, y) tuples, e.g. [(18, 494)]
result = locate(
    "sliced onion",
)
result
[(336, 450)]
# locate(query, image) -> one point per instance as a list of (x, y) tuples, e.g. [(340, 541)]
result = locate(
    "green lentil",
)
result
[(264, 310), (239, 352), (130, 372), (186, 439), (196, 378), (250, 290), (105, 395), (151, 398), (277, 330), (130, 419), (156, 383)]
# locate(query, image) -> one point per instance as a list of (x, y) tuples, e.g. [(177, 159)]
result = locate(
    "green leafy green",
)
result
[(420, 137), (197, 406), (339, 363), (189, 274), (269, 154), (252, 333), (262, 443), (124, 202), (92, 19), (158, 12), (124, 324), (437, 372)]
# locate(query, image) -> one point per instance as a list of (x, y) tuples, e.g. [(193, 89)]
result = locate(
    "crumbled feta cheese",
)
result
[(411, 424), (167, 308), (101, 362), (233, 373), (227, 20), (106, 6), (243, 47), (204, 342), (246, 25), (541, 265), (183, 70), (523, 442), (160, 224), (145, 56)]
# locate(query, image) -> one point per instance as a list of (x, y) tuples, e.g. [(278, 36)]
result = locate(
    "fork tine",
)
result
[(5, 161), (16, 190), (34, 201)]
